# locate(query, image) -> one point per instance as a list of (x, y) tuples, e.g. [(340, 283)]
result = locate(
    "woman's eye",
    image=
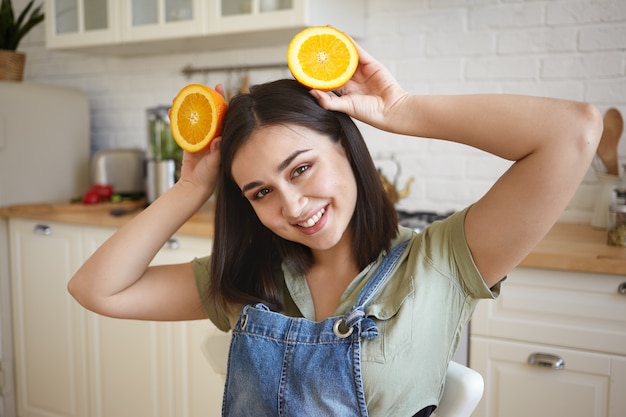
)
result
[(298, 171), (261, 193)]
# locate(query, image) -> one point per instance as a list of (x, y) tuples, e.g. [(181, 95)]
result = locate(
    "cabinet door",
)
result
[(240, 16), (198, 388), (161, 19), (130, 372), (571, 309), (515, 388), (48, 326), (71, 23), (229, 16)]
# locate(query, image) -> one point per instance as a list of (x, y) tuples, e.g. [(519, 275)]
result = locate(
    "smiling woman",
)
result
[(334, 308)]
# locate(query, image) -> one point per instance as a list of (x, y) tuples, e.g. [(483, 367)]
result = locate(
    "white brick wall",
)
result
[(571, 49)]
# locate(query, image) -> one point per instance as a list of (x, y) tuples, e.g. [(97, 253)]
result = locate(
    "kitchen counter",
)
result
[(200, 224), (577, 247), (568, 247)]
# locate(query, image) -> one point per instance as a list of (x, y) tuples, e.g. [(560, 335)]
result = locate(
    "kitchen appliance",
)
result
[(163, 155), (124, 169), (418, 220), (44, 156), (391, 185)]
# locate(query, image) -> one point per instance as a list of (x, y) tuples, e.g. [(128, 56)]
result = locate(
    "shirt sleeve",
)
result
[(448, 247), (201, 271)]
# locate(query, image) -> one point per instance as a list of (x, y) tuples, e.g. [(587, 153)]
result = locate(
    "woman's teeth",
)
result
[(313, 220)]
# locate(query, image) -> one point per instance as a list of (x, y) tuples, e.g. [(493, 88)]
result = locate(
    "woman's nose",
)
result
[(293, 204)]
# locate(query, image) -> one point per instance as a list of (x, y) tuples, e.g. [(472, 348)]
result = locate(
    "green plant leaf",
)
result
[(6, 23), (12, 31), (22, 15)]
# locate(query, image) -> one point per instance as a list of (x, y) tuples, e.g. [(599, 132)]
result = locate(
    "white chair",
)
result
[(464, 386)]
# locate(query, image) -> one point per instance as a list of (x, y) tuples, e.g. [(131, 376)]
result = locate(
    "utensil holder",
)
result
[(607, 184), (160, 177)]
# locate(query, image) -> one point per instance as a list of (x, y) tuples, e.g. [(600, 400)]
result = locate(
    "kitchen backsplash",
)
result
[(573, 49)]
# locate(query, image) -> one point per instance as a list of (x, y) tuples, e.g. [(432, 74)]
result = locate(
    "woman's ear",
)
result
[(215, 144)]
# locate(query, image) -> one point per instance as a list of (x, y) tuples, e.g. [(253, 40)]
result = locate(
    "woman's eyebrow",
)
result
[(289, 159), (279, 169)]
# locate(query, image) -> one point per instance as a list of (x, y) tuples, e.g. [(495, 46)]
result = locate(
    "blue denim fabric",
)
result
[(286, 366)]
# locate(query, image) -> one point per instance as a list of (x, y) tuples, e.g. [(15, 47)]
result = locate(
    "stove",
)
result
[(418, 220)]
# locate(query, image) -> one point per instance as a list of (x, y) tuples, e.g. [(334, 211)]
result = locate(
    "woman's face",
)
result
[(300, 184)]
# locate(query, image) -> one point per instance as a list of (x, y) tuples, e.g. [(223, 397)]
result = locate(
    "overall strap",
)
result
[(382, 273), (357, 313)]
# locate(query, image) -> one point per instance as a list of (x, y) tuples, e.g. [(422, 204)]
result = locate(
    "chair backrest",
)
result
[(463, 390), (215, 345)]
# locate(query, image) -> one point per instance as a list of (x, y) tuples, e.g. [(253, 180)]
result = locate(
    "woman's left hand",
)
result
[(371, 95)]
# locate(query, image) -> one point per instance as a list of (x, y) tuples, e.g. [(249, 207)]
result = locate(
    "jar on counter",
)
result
[(163, 155), (617, 224), (161, 143)]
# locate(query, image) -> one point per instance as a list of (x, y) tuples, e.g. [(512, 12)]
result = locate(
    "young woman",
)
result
[(335, 310)]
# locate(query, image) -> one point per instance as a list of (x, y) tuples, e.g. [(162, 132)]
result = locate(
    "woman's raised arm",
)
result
[(116, 280), (551, 142)]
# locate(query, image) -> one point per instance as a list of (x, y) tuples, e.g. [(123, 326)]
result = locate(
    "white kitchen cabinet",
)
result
[(554, 343), (200, 388), (240, 16), (71, 362), (135, 27), (48, 325), (128, 363), (153, 20), (81, 23)]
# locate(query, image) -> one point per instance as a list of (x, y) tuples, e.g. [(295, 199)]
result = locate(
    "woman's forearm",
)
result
[(509, 126), (124, 258)]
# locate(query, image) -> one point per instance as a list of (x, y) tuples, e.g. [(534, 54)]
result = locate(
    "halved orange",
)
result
[(322, 57), (196, 117)]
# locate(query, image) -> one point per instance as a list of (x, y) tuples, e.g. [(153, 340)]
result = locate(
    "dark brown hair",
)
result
[(246, 255)]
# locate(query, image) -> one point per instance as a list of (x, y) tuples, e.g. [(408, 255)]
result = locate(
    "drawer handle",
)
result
[(621, 289), (172, 243), (42, 229), (546, 360)]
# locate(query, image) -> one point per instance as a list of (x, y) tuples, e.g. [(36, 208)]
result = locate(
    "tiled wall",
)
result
[(571, 49)]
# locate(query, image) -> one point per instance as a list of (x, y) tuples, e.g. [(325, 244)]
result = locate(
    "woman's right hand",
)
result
[(200, 169)]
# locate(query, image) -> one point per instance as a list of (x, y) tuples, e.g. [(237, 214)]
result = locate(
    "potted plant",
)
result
[(11, 33)]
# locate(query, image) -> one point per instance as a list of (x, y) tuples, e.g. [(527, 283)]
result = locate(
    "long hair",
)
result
[(246, 255)]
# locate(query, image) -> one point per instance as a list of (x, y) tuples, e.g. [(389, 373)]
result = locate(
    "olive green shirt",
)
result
[(420, 312)]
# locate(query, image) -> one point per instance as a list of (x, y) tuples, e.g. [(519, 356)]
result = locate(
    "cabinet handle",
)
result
[(42, 229), (172, 243), (621, 289), (546, 360)]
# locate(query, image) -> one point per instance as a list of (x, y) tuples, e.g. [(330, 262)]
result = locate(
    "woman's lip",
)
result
[(312, 220), (318, 225)]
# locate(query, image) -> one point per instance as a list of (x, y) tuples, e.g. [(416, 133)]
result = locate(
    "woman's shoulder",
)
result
[(441, 250), (218, 316)]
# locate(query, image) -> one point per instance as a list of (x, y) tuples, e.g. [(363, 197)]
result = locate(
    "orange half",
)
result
[(322, 57), (196, 117)]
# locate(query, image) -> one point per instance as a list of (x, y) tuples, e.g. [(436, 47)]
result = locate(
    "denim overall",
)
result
[(286, 366)]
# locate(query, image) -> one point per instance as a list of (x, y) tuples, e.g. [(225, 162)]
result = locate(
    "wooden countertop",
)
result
[(568, 247), (201, 223), (577, 247)]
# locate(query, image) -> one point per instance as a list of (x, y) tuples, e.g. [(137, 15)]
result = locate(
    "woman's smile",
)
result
[(314, 224), (313, 220)]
